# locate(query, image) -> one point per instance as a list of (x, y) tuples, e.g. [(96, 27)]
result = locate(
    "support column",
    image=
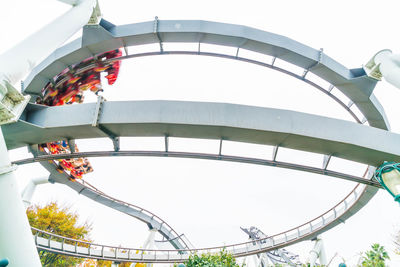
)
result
[(16, 242), (318, 252), (16, 62), (150, 243), (27, 194)]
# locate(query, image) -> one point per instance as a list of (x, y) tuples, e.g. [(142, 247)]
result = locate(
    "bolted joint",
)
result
[(372, 68), (7, 169), (12, 103)]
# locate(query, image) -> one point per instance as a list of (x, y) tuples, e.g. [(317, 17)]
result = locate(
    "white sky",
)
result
[(209, 201)]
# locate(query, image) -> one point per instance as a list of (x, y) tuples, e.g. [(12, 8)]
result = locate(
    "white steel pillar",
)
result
[(16, 242), (150, 242), (29, 189), (384, 64), (318, 252), (16, 62)]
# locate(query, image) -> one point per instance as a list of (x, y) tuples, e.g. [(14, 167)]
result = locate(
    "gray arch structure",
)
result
[(353, 83)]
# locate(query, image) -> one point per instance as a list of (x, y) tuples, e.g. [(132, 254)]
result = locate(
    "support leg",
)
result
[(318, 252), (27, 194), (150, 243), (16, 242), (19, 60)]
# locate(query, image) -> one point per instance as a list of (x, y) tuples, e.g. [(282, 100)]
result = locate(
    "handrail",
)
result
[(350, 198), (349, 201), (83, 182), (248, 245), (163, 227), (248, 60), (150, 153)]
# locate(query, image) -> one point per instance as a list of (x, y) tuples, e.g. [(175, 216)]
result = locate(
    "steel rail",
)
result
[(324, 224), (248, 60), (86, 249), (88, 190), (316, 225), (221, 157), (351, 82), (176, 237)]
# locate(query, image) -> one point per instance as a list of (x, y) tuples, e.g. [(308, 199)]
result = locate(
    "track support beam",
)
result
[(97, 114)]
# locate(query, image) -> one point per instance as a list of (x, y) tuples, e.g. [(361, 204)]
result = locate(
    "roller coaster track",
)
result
[(212, 121), (266, 132)]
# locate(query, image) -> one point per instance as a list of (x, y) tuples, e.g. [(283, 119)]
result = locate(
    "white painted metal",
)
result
[(318, 252), (385, 64), (29, 189), (256, 260), (15, 233), (19, 60), (277, 240), (71, 2), (150, 242)]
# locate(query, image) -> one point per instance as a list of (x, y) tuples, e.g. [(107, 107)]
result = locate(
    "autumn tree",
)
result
[(101, 263), (104, 263), (61, 221)]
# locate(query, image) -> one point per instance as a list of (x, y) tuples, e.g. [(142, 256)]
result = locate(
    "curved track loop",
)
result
[(308, 230), (327, 91), (353, 83), (84, 188), (59, 120)]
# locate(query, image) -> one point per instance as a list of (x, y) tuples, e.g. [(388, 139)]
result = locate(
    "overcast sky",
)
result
[(206, 200)]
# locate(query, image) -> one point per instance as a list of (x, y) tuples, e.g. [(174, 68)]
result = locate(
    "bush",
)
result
[(223, 259)]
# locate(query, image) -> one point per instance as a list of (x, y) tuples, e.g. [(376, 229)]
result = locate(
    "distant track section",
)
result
[(77, 248), (86, 189)]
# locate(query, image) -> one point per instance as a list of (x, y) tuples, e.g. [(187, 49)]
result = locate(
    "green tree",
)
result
[(375, 257), (61, 221), (223, 259)]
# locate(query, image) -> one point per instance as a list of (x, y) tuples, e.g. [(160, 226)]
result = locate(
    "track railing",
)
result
[(209, 156), (141, 210), (332, 217), (80, 248)]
